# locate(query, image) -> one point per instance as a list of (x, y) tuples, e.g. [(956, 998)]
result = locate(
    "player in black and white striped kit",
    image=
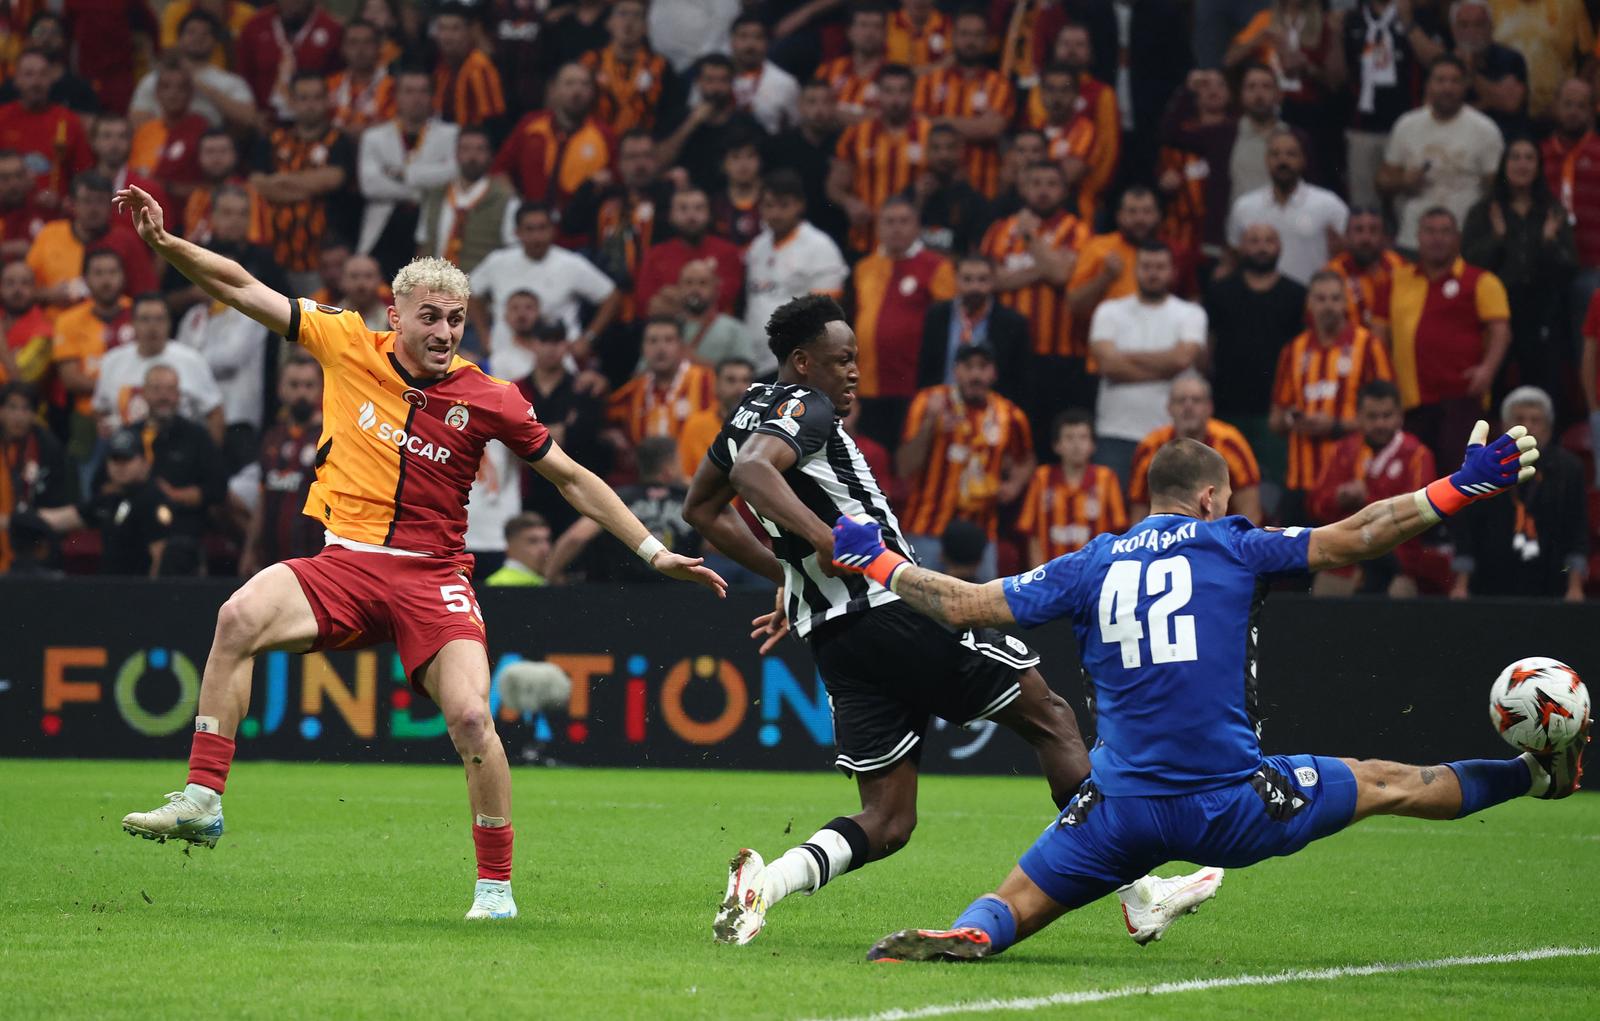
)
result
[(887, 669)]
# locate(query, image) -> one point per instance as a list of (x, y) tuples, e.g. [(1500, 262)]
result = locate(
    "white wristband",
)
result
[(649, 548), (1425, 507)]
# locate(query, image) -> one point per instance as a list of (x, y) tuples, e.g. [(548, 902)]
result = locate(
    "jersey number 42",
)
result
[(1171, 637)]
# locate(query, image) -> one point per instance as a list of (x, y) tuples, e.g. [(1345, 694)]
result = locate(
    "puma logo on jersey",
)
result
[(367, 417)]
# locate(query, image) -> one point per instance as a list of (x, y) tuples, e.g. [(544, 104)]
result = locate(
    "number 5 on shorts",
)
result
[(458, 599)]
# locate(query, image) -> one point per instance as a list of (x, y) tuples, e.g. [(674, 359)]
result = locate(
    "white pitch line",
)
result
[(1065, 999)]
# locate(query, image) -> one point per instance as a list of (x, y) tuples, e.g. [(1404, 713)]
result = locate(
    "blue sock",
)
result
[(993, 916), (1486, 782)]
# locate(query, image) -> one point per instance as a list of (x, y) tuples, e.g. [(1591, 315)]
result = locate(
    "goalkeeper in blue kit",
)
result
[(1166, 618)]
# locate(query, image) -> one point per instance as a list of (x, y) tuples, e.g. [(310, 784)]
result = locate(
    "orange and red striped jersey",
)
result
[(1097, 102), (695, 437), (1060, 514), (916, 48), (1368, 285), (1185, 215), (1318, 379), (1437, 328), (855, 89), (885, 161), (1074, 140), (1092, 260), (548, 164), (358, 106), (965, 464), (29, 340), (197, 215), (296, 228), (469, 94), (53, 142), (957, 92), (167, 151), (1404, 465), (891, 298), (83, 336), (629, 224), (641, 408), (1031, 30), (1243, 471), (397, 455), (627, 95), (1043, 304)]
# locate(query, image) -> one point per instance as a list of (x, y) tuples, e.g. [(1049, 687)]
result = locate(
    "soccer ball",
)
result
[(1538, 704)]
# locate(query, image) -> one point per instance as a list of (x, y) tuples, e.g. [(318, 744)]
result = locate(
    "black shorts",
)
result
[(889, 668)]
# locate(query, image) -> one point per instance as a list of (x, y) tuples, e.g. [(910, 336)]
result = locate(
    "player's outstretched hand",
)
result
[(858, 548), (676, 565), (857, 543), (146, 212), (771, 627), (1488, 470)]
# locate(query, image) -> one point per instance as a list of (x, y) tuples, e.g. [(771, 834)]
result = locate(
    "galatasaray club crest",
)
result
[(456, 417)]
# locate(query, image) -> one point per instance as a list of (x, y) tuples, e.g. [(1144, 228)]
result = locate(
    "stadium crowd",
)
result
[(1321, 239)]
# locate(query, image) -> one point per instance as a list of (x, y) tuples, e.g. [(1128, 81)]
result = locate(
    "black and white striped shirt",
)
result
[(831, 478)]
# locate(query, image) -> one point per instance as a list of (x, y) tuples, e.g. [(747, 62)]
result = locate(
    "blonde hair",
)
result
[(430, 274)]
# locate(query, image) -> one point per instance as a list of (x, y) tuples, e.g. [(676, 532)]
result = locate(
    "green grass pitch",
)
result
[(338, 893)]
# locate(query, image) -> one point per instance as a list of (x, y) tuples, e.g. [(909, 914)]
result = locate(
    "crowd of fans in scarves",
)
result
[(1321, 238)]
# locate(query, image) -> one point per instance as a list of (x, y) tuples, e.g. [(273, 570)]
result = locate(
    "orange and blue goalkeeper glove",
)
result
[(1488, 470), (858, 548)]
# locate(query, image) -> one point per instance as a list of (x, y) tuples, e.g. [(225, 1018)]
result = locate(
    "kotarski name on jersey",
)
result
[(368, 416), (1154, 540)]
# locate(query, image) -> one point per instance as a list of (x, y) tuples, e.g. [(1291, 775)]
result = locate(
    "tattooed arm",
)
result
[(858, 549), (1370, 532), (950, 601), (1489, 470)]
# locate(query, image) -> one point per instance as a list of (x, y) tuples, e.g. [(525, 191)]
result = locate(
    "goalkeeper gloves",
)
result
[(858, 548), (1488, 470)]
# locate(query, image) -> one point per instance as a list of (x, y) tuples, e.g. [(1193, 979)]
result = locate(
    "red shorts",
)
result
[(362, 599)]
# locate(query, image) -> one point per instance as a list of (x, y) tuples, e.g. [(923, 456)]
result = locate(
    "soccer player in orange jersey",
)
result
[(405, 422), (1189, 405)]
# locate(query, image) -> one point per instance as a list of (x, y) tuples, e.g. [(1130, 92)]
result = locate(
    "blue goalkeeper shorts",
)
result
[(1100, 843)]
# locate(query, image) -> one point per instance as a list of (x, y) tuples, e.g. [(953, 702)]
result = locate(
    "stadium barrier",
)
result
[(665, 676)]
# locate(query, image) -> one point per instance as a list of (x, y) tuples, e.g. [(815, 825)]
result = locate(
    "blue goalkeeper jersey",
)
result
[(1166, 617)]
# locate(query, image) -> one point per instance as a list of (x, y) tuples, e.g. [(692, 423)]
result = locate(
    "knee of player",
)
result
[(895, 832), (240, 622), (468, 723)]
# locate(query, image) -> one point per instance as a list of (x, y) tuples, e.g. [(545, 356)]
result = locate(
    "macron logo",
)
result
[(367, 417)]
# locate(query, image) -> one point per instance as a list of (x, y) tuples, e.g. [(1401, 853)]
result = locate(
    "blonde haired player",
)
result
[(405, 421)]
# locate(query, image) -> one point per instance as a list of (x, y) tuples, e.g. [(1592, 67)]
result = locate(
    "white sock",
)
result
[(205, 797), (1541, 779), (796, 870), (801, 869)]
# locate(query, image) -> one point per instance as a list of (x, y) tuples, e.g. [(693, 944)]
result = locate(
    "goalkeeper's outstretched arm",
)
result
[(220, 277), (1489, 470), (858, 548)]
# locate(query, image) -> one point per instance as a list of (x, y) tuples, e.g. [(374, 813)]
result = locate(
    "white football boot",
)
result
[(491, 898), (744, 910), (181, 818), (1151, 904)]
